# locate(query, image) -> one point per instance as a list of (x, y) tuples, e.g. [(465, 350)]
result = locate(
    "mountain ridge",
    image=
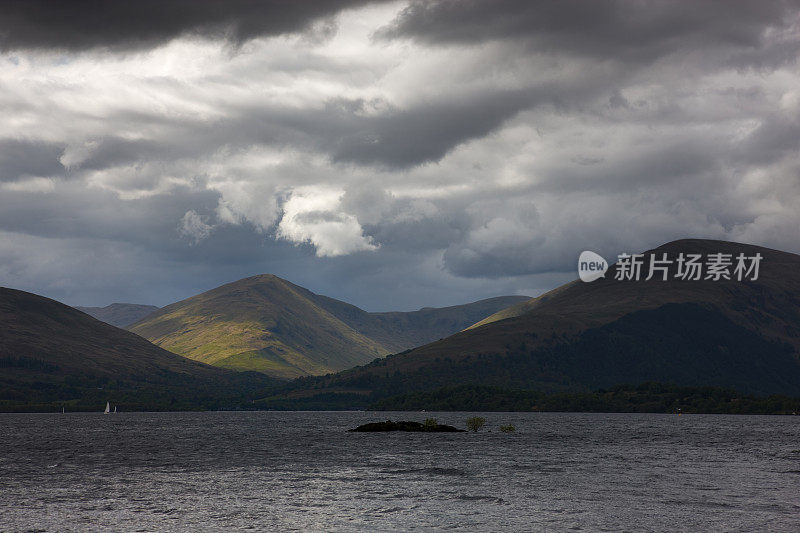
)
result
[(545, 344), (268, 324), (120, 315)]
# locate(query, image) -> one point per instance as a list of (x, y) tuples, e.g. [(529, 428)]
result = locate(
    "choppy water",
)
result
[(273, 471)]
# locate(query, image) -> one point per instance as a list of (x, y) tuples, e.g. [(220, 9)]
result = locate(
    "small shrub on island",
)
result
[(430, 423), (508, 429), (475, 423)]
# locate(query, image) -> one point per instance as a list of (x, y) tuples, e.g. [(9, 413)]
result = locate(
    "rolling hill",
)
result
[(53, 355), (119, 315), (270, 325), (584, 336)]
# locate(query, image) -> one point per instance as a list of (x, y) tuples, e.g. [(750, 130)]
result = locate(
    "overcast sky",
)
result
[(391, 154)]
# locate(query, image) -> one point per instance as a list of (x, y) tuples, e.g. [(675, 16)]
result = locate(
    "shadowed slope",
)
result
[(51, 352), (586, 335)]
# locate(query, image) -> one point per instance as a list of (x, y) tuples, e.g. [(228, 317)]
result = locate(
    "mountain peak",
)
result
[(271, 325)]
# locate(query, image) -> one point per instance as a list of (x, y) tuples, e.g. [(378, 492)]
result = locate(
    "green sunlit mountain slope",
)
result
[(270, 325)]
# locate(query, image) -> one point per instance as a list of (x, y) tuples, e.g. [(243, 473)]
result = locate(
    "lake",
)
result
[(301, 471)]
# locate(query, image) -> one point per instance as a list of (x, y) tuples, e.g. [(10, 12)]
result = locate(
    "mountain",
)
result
[(261, 323), (584, 336), (270, 325), (120, 315), (52, 355)]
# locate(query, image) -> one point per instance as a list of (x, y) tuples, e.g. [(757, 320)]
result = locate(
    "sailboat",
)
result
[(108, 408)]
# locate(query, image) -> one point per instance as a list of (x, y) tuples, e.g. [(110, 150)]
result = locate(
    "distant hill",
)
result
[(584, 336), (53, 355), (398, 330), (120, 315), (270, 325)]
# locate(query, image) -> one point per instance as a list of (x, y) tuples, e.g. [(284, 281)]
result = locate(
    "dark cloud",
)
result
[(120, 25), (775, 137), (72, 210), (388, 137), (674, 161), (29, 158), (611, 29), (426, 154), (404, 138), (400, 138)]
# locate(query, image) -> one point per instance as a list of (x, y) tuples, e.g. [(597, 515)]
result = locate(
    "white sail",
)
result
[(108, 408)]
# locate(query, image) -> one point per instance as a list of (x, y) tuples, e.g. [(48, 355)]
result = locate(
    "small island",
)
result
[(430, 425)]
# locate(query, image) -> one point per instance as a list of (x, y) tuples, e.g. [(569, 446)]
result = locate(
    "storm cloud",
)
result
[(85, 24), (392, 154), (633, 32)]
